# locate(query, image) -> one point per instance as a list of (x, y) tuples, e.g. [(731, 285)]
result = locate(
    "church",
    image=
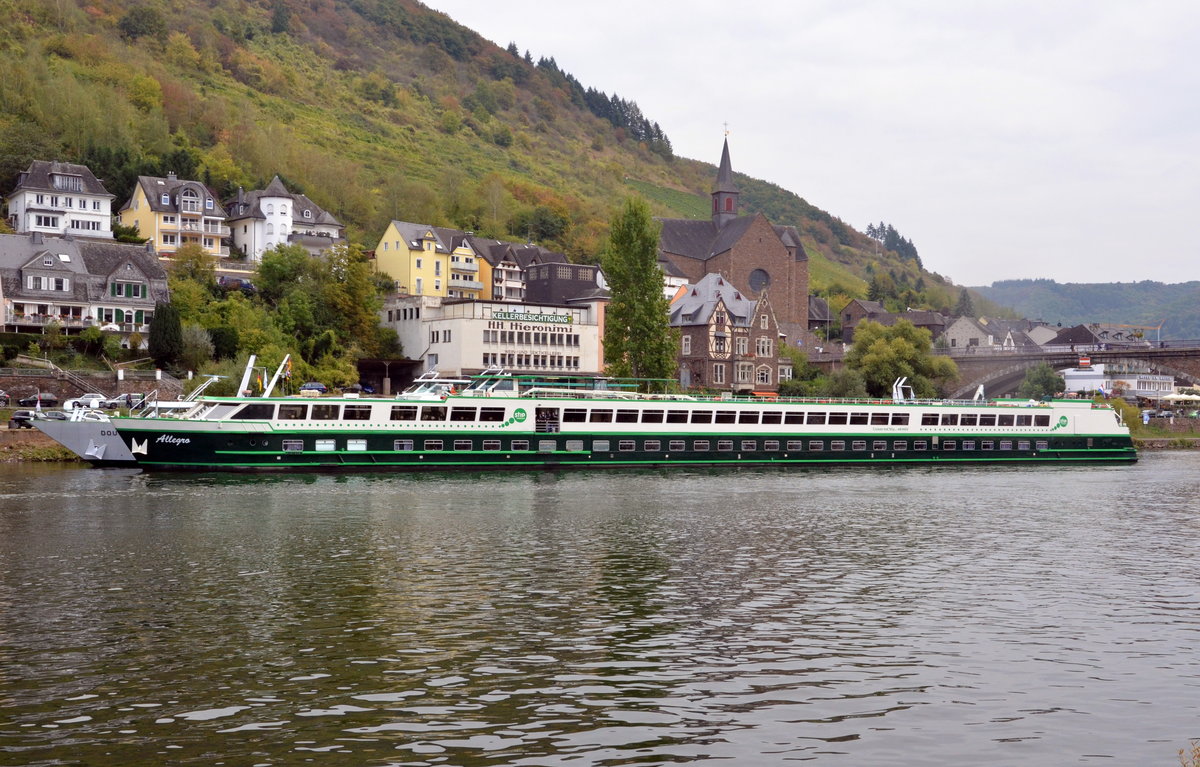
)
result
[(749, 251)]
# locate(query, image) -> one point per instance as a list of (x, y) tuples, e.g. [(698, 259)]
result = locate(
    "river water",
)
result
[(931, 616)]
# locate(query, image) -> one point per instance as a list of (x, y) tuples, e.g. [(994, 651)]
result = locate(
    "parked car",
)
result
[(46, 398), (316, 386), (20, 419), (129, 400), (91, 400), (3, 398)]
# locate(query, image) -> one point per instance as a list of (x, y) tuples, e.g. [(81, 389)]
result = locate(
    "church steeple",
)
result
[(725, 194)]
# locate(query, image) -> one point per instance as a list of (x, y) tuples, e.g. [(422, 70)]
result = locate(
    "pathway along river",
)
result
[(949, 616)]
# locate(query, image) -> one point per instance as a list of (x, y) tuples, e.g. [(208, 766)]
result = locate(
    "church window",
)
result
[(729, 204)]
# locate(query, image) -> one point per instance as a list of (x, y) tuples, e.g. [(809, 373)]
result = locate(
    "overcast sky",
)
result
[(1006, 139)]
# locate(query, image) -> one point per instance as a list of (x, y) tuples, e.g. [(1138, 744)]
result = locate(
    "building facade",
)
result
[(460, 337), (60, 198), (748, 251), (171, 213), (76, 283), (728, 340), (263, 219), (1123, 380)]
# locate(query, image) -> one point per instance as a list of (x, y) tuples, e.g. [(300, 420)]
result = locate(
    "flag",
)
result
[(258, 380), (37, 404), (287, 371)]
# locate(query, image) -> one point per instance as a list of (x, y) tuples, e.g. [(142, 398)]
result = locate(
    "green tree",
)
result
[(883, 354), (965, 307), (638, 340), (1041, 381), (193, 262), (142, 21), (166, 335), (197, 347), (122, 233)]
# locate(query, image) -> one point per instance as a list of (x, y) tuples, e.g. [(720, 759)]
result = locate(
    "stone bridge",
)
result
[(1002, 372)]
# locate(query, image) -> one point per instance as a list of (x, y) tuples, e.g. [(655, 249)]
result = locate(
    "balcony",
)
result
[(463, 266), (196, 227), (464, 283), (41, 320)]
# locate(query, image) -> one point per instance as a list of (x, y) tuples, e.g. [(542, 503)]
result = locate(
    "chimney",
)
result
[(35, 238), (171, 176)]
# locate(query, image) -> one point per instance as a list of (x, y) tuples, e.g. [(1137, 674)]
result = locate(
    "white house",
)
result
[(60, 198), (461, 337), (262, 219)]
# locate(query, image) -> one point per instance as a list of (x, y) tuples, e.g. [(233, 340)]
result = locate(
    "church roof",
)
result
[(725, 173)]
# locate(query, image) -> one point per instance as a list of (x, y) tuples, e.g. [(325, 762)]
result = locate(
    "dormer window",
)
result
[(189, 201), (47, 260), (208, 203), (308, 214), (166, 199)]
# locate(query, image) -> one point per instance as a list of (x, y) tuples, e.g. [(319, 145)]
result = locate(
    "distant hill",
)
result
[(1148, 303), (376, 109)]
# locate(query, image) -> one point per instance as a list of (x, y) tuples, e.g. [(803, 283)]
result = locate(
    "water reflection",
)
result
[(899, 617)]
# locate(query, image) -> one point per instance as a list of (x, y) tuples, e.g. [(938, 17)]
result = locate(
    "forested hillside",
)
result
[(1149, 303), (376, 109)]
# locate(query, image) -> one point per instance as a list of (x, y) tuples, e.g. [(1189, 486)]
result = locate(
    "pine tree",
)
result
[(166, 335), (638, 340), (965, 307)]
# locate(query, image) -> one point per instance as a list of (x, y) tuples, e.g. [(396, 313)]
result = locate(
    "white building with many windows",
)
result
[(60, 198), (461, 337)]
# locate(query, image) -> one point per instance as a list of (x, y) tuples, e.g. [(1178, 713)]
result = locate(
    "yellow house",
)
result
[(172, 213), (429, 261)]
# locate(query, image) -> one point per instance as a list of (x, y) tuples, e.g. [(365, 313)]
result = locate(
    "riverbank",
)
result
[(31, 446)]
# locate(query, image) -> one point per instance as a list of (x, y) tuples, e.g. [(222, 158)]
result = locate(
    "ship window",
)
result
[(357, 413), (725, 416), (1042, 444), (725, 444), (652, 445), (950, 444), (601, 416), (858, 444), (463, 444), (813, 418), (435, 413), (1024, 420), (404, 412), (1023, 445), (627, 416), (1004, 420), (574, 415), (325, 412), (257, 411), (899, 419), (1041, 420), (325, 445), (772, 416), (519, 444), (293, 412), (356, 445), (700, 445), (920, 444), (929, 419), (987, 419), (491, 414), (813, 444), (987, 444), (491, 444), (771, 444), (968, 444), (968, 419), (462, 414), (858, 419), (748, 416), (293, 446), (900, 444), (749, 445), (652, 416), (402, 445), (546, 446), (879, 444), (837, 419), (949, 419), (433, 444), (576, 445), (837, 444), (676, 445), (879, 419), (702, 416), (1006, 444), (626, 445), (677, 416), (599, 446)]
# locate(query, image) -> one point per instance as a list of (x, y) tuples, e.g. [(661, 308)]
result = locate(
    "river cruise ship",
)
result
[(499, 421)]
